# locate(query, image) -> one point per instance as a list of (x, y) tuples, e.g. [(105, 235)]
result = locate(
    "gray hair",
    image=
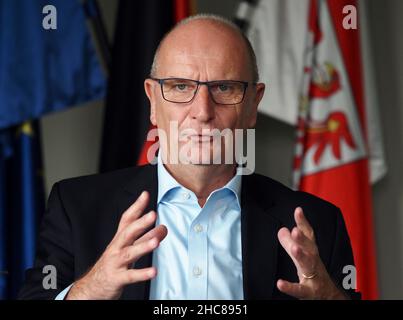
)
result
[(218, 19)]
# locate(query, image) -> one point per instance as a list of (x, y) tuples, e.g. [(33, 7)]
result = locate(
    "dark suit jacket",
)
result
[(83, 215)]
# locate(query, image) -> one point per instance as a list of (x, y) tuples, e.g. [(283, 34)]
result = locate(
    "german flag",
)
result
[(140, 27)]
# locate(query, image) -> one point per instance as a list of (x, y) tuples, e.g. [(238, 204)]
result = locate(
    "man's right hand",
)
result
[(112, 272)]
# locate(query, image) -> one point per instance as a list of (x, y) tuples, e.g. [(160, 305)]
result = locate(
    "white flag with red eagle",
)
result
[(277, 30), (313, 65), (331, 157)]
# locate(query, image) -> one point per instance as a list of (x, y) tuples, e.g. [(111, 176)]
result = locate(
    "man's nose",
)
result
[(203, 107)]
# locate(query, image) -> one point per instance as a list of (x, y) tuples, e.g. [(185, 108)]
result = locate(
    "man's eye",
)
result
[(181, 86), (223, 87)]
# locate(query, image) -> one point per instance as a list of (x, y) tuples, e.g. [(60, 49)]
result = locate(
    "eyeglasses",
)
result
[(226, 92)]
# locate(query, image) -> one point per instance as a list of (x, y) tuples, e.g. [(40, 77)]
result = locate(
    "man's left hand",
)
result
[(314, 280)]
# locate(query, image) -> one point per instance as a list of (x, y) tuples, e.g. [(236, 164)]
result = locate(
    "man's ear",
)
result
[(149, 88), (260, 88)]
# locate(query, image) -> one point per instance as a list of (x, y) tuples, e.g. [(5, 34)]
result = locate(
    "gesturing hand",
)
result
[(314, 280), (112, 272)]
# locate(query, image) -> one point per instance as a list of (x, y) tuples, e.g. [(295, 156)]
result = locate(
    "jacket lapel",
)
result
[(145, 179), (259, 241)]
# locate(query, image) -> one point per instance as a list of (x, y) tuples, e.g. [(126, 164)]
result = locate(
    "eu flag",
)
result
[(41, 70), (21, 203), (44, 70)]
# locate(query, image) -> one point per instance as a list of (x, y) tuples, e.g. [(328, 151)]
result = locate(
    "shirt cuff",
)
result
[(64, 293)]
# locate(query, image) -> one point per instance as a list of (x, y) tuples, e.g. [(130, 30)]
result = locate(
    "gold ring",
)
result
[(313, 275)]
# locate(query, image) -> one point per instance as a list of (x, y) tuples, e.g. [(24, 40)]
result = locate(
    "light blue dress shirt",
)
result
[(201, 257)]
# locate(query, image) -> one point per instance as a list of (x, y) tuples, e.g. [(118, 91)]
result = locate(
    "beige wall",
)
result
[(71, 139)]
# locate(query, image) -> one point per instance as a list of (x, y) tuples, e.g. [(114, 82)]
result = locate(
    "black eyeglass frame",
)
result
[(207, 83)]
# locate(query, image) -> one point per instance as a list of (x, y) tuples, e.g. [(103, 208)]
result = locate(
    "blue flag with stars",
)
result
[(48, 63), (43, 69)]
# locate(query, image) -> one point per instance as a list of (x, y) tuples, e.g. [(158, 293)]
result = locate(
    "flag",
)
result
[(339, 138), (140, 27), (331, 158), (41, 70), (44, 70), (22, 202), (277, 30), (182, 9)]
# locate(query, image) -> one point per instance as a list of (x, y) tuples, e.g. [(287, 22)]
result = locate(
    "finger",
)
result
[(303, 224), (134, 211), (305, 262), (132, 253), (284, 237), (294, 289), (137, 275), (300, 258), (135, 229), (159, 232), (299, 238)]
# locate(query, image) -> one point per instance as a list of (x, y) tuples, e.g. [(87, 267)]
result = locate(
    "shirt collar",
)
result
[(235, 186), (166, 183)]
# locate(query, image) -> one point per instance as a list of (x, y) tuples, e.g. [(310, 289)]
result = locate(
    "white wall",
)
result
[(71, 139)]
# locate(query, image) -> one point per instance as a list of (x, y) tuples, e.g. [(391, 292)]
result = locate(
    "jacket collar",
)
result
[(259, 229)]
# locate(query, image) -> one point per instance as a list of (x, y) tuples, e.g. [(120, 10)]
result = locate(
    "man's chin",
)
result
[(200, 154), (205, 159)]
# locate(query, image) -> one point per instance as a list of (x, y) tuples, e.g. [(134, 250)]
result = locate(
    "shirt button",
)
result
[(197, 271), (198, 228), (185, 195)]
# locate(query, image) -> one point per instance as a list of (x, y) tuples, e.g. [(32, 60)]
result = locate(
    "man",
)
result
[(195, 230)]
